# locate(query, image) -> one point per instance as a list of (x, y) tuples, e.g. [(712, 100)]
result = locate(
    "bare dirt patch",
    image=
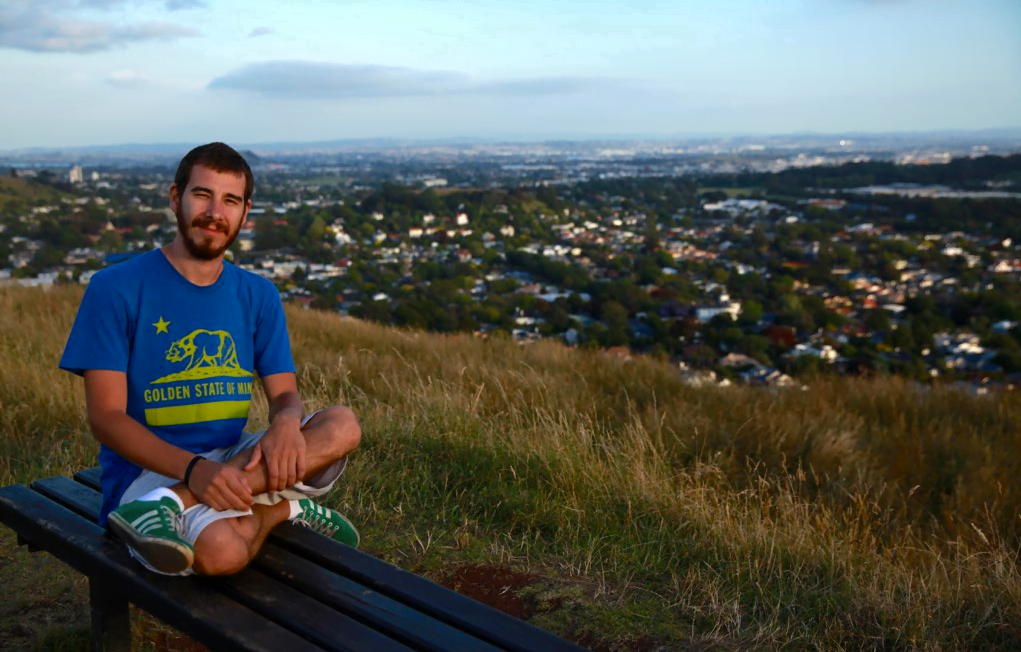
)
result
[(165, 640), (497, 587), (524, 595)]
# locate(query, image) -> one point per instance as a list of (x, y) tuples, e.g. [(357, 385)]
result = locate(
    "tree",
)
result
[(615, 316), (46, 257), (557, 317), (904, 340), (1009, 360), (264, 230), (647, 270), (755, 346), (429, 202), (109, 241), (878, 321), (751, 313), (651, 238), (804, 365), (548, 196), (316, 229), (730, 336), (377, 311)]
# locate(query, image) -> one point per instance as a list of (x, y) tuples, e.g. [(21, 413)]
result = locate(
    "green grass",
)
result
[(644, 513), (44, 603), (25, 191), (733, 193)]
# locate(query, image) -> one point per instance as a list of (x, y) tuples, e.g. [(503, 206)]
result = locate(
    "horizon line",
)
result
[(536, 139)]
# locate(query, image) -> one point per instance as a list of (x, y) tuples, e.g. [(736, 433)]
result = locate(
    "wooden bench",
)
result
[(303, 591)]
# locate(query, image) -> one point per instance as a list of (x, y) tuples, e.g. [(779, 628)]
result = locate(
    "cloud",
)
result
[(177, 5), (49, 26), (540, 86), (317, 80), (108, 5), (127, 79), (261, 31)]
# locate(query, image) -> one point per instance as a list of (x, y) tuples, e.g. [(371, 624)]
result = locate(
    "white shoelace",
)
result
[(319, 524), (174, 518)]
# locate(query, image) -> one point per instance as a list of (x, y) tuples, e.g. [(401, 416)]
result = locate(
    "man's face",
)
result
[(210, 211)]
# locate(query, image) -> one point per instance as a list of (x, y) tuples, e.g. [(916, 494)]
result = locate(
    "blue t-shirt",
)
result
[(190, 352)]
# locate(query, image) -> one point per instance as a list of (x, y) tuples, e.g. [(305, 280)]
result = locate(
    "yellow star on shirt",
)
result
[(161, 326)]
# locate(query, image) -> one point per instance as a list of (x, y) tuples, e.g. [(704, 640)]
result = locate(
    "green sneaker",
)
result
[(151, 528), (326, 521)]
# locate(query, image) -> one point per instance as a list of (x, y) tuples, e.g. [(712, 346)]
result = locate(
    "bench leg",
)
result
[(111, 629), (22, 541)]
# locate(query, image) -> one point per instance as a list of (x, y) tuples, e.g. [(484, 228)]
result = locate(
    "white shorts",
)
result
[(197, 517)]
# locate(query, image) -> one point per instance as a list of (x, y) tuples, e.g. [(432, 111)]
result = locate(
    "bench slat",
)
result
[(298, 612), (78, 498), (470, 615), (411, 626), (465, 613), (286, 605), (90, 477), (210, 618)]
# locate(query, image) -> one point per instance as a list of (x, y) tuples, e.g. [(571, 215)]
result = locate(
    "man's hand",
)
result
[(283, 450), (221, 486)]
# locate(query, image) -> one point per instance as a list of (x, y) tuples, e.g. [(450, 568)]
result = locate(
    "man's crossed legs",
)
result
[(171, 532)]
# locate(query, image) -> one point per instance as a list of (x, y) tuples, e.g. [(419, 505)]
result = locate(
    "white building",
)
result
[(826, 353), (706, 313)]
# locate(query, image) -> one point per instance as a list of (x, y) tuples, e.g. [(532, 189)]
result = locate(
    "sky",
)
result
[(99, 72)]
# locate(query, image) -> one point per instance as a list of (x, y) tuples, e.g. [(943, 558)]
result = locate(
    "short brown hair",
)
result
[(215, 156)]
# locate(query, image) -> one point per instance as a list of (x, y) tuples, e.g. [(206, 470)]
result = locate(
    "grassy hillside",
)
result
[(624, 509), (25, 192)]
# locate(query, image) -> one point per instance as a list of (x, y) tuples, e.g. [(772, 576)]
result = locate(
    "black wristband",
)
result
[(190, 468)]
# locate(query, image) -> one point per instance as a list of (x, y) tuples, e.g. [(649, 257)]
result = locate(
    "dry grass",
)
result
[(854, 515)]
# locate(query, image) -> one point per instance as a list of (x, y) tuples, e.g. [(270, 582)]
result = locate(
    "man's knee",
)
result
[(220, 550), (340, 429)]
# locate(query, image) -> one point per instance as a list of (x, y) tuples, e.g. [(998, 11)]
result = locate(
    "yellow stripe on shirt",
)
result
[(197, 413)]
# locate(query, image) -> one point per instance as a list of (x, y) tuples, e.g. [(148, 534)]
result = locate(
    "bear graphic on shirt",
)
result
[(205, 354)]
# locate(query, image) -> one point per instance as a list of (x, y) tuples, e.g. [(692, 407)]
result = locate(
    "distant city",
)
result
[(761, 260), (886, 146)]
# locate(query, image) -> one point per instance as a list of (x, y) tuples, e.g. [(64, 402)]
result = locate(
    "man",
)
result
[(169, 343)]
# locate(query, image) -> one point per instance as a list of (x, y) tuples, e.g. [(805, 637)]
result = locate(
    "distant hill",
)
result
[(26, 190), (162, 153)]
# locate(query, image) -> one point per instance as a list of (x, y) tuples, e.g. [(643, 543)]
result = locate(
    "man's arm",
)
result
[(283, 445), (106, 400)]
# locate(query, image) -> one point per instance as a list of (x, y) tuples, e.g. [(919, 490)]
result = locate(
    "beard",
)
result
[(199, 245)]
